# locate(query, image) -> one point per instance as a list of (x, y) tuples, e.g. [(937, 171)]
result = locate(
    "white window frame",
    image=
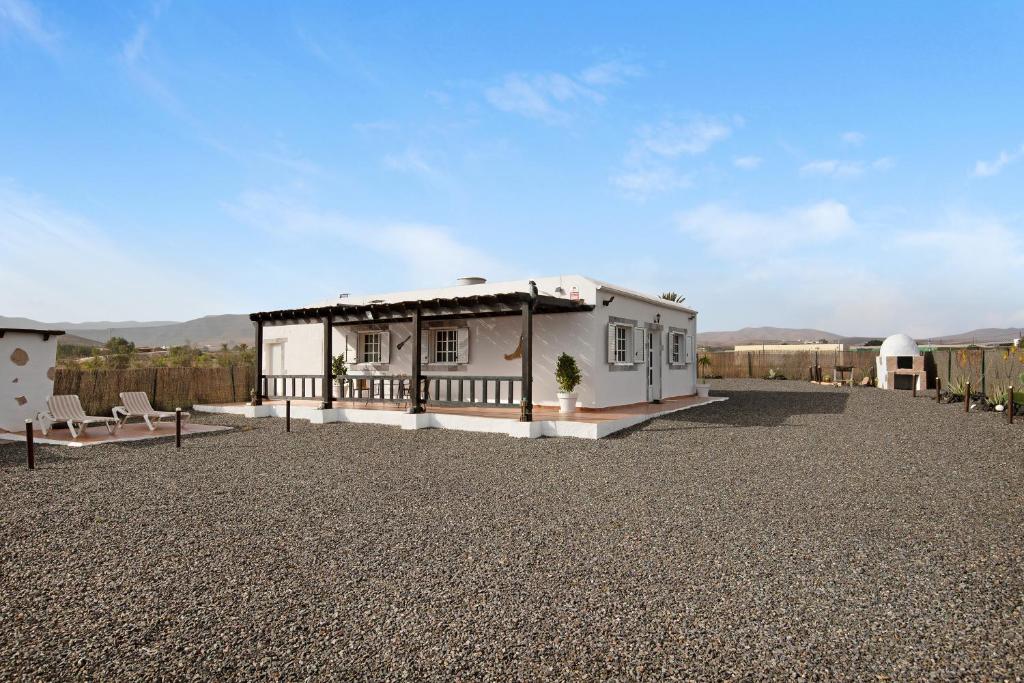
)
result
[(370, 347), (675, 346), (449, 347), (622, 350)]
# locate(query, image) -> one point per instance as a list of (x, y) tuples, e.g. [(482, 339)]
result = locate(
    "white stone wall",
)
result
[(27, 365)]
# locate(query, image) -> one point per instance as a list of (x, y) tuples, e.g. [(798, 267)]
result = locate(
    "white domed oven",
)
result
[(900, 364)]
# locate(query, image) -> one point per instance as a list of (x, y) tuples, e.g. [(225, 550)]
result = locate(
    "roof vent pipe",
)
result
[(471, 280)]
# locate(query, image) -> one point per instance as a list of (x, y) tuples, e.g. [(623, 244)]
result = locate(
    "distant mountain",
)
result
[(764, 335), (211, 330), (776, 335), (76, 327), (75, 340), (986, 335)]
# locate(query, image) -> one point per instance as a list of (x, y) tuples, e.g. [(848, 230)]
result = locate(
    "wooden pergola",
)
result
[(525, 304)]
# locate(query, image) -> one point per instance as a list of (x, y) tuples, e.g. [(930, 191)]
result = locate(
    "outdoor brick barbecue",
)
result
[(900, 364)]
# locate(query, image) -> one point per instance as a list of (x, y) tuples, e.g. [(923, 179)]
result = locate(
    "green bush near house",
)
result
[(338, 366), (567, 373)]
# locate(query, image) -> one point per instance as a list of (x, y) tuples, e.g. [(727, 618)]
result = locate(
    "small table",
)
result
[(839, 370)]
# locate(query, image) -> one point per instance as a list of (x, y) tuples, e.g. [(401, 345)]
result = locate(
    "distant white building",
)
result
[(791, 348)]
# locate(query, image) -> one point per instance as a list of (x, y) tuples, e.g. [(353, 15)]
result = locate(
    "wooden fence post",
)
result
[(177, 427), (1010, 407), (983, 355), (938, 389), (288, 415), (967, 398), (750, 365), (31, 447)]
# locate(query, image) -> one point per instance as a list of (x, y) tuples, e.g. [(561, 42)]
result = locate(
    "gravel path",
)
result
[(795, 529)]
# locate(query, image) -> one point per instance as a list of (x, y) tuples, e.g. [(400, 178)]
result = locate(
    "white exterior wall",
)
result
[(615, 386), (582, 335), (26, 377)]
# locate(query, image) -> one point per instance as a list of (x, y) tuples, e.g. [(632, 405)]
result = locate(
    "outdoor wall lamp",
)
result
[(657, 318), (607, 301)]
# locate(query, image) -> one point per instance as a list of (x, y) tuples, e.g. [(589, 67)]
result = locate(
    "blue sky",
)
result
[(857, 167)]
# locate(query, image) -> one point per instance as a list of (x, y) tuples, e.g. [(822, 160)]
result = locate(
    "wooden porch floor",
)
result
[(584, 415)]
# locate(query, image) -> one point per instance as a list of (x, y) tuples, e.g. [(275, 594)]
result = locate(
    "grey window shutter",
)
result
[(462, 338), (638, 344), (611, 343), (689, 349), (385, 347), (425, 346)]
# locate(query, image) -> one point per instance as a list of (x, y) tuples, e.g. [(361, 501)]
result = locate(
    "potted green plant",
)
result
[(703, 363), (338, 369), (568, 376)]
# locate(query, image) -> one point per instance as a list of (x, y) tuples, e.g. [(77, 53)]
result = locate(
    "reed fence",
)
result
[(986, 369), (168, 388)]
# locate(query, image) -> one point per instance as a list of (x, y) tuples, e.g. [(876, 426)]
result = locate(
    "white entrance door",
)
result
[(273, 361), (653, 365)]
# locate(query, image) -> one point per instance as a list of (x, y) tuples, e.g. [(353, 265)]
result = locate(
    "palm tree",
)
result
[(673, 297)]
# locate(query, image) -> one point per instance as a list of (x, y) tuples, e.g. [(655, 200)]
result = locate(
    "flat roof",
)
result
[(46, 334), (474, 306)]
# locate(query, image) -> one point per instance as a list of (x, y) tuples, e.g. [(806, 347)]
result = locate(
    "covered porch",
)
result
[(418, 389)]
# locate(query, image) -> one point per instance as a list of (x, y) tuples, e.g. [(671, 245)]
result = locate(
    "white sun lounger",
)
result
[(68, 409), (136, 404)]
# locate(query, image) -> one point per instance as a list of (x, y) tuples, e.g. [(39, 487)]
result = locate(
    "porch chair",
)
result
[(136, 404), (69, 409)]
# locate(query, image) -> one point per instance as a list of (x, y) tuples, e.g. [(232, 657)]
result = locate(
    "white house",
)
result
[(481, 344)]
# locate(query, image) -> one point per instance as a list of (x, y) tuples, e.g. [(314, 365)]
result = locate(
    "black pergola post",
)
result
[(258, 399), (527, 395), (327, 397), (417, 352)]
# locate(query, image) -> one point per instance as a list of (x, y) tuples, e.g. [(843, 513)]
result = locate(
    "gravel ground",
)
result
[(793, 530)]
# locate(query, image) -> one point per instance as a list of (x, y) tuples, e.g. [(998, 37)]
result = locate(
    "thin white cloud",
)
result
[(547, 96), (986, 169), (641, 184), (133, 58), (833, 167), (747, 163), (412, 161), (83, 271), (672, 138), (883, 163), (853, 137), (539, 96), (648, 166), (723, 228), (610, 73), (23, 17), (994, 243), (429, 253), (133, 47)]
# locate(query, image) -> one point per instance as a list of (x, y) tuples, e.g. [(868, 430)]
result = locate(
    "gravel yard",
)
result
[(851, 533)]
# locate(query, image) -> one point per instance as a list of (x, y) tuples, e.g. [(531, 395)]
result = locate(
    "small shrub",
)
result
[(774, 374), (338, 366), (703, 363), (957, 388), (998, 397), (567, 373)]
